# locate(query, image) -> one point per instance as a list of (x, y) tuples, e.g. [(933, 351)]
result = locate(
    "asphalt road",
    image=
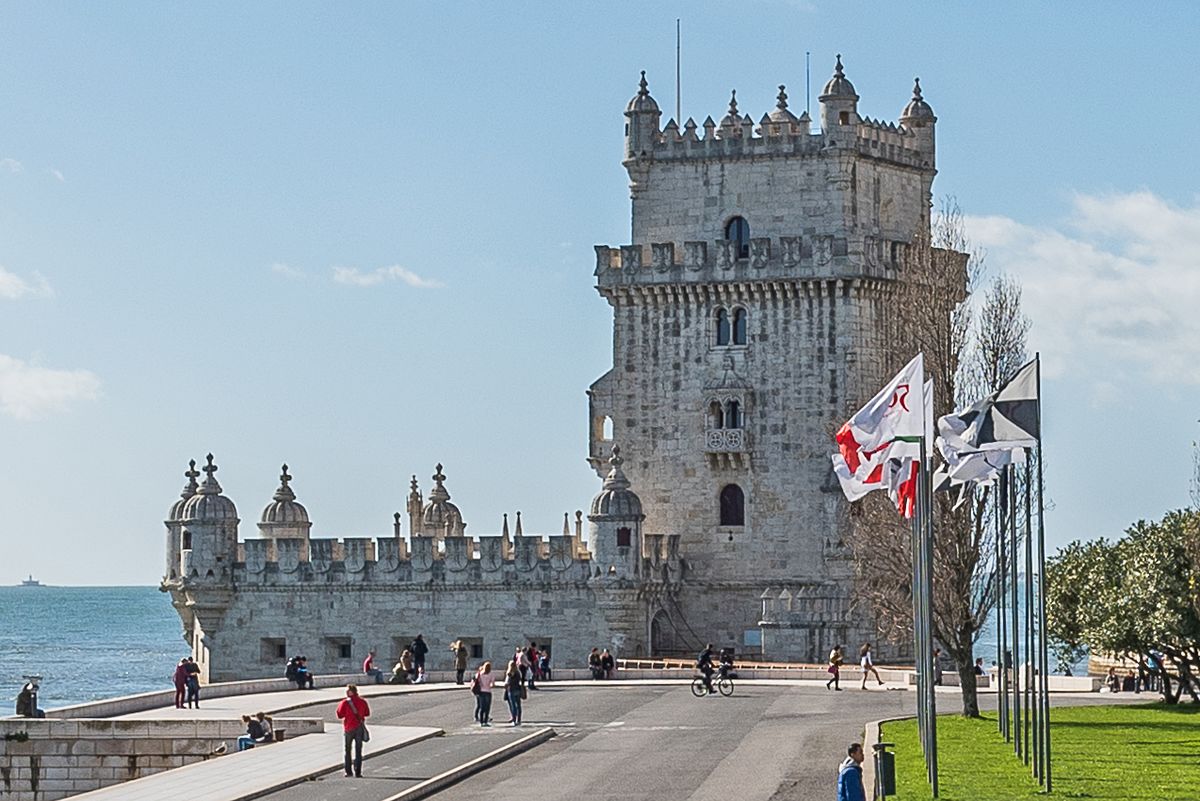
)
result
[(634, 742)]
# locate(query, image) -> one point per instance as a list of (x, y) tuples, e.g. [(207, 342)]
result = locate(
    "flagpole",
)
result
[(1044, 651), (1001, 507), (1014, 610), (925, 485), (1027, 695)]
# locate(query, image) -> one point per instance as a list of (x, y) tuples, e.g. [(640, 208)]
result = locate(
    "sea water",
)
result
[(86, 642)]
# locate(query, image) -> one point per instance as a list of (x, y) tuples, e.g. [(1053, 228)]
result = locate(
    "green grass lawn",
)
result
[(1113, 753)]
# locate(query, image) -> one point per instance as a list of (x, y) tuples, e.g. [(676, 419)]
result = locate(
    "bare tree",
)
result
[(970, 350)]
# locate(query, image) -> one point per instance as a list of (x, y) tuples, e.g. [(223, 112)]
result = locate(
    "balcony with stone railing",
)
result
[(786, 257)]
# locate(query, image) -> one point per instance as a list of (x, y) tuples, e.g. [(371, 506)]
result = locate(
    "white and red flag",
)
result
[(882, 440)]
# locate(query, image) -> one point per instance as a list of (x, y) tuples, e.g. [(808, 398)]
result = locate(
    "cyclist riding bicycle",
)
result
[(704, 663), (725, 670)]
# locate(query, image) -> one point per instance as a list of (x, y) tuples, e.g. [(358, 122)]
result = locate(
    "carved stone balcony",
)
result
[(725, 440)]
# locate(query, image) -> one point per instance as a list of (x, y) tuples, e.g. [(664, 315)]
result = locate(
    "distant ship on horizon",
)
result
[(31, 582)]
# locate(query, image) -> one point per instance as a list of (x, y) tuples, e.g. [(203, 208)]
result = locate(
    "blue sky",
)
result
[(358, 239)]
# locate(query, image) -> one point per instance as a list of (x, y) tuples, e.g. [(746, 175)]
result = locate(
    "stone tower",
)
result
[(748, 317)]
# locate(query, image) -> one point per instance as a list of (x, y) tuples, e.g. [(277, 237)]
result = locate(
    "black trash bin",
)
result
[(885, 770)]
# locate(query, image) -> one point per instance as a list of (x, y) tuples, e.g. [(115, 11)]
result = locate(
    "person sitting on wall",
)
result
[(370, 669), (400, 672), (27, 702), (297, 671), (254, 735), (594, 663), (607, 664), (544, 664)]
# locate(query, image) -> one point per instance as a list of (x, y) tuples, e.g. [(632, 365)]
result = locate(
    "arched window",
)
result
[(186, 544), (716, 415), (733, 506), (739, 326), (722, 327), (738, 230), (624, 537), (733, 415)]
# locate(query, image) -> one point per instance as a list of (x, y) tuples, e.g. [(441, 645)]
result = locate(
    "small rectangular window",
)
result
[(624, 537), (272, 649), (338, 649)]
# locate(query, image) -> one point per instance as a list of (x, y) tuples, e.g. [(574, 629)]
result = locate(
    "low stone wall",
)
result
[(42, 760), (126, 704)]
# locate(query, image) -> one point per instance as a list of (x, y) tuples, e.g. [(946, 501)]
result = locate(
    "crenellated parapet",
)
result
[(796, 257), (473, 561)]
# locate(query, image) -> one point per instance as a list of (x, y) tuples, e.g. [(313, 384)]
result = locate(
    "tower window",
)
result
[(739, 327), (733, 506), (624, 537), (716, 415), (733, 415), (844, 117), (722, 327), (186, 540), (738, 230)]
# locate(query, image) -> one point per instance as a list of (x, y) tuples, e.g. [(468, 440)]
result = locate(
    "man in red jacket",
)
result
[(353, 712)]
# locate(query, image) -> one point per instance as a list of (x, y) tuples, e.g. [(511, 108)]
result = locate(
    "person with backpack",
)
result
[(419, 649), (481, 687), (353, 711)]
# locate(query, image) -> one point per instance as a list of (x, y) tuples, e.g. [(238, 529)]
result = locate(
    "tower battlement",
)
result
[(796, 257)]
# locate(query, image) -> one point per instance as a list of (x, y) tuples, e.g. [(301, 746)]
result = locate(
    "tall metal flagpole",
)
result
[(925, 486), (678, 90), (1044, 655), (1015, 631), (1028, 672), (1001, 504), (918, 628)]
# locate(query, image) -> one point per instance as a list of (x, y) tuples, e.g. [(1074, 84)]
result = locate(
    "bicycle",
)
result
[(721, 682)]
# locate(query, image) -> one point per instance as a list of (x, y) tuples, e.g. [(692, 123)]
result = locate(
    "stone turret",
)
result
[(839, 106), (440, 518), (210, 531), (174, 522), (643, 115), (414, 506), (284, 516), (615, 525), (918, 118)]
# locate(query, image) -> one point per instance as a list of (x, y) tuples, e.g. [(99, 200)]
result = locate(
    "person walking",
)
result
[(937, 666), (850, 778), (353, 712), (481, 686), (460, 660), (514, 689), (180, 681), (867, 664), (835, 667)]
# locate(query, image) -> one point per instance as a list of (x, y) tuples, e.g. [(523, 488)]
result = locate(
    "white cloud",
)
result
[(28, 391), (286, 270), (1112, 291), (62, 179), (13, 286), (355, 277), (11, 165)]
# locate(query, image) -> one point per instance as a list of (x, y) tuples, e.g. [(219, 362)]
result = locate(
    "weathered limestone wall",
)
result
[(43, 760)]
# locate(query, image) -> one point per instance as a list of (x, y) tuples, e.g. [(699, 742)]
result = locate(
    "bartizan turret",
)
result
[(174, 522), (615, 525), (284, 516), (839, 107)]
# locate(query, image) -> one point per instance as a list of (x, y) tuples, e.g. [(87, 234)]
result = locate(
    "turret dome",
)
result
[(642, 101), (917, 108), (284, 508), (208, 504), (732, 118), (839, 85), (189, 490), (616, 500), (439, 512), (780, 113)]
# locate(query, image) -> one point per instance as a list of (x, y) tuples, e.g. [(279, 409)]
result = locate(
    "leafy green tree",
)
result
[(1136, 598)]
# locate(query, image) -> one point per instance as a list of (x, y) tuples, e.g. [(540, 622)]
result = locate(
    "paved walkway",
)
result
[(259, 770)]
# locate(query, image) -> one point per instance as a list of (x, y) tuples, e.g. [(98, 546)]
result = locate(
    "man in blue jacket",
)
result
[(850, 781)]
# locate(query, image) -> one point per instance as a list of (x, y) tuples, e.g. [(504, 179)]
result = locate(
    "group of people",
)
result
[(409, 669), (602, 664), (527, 666), (187, 683), (258, 731), (866, 661), (297, 671)]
